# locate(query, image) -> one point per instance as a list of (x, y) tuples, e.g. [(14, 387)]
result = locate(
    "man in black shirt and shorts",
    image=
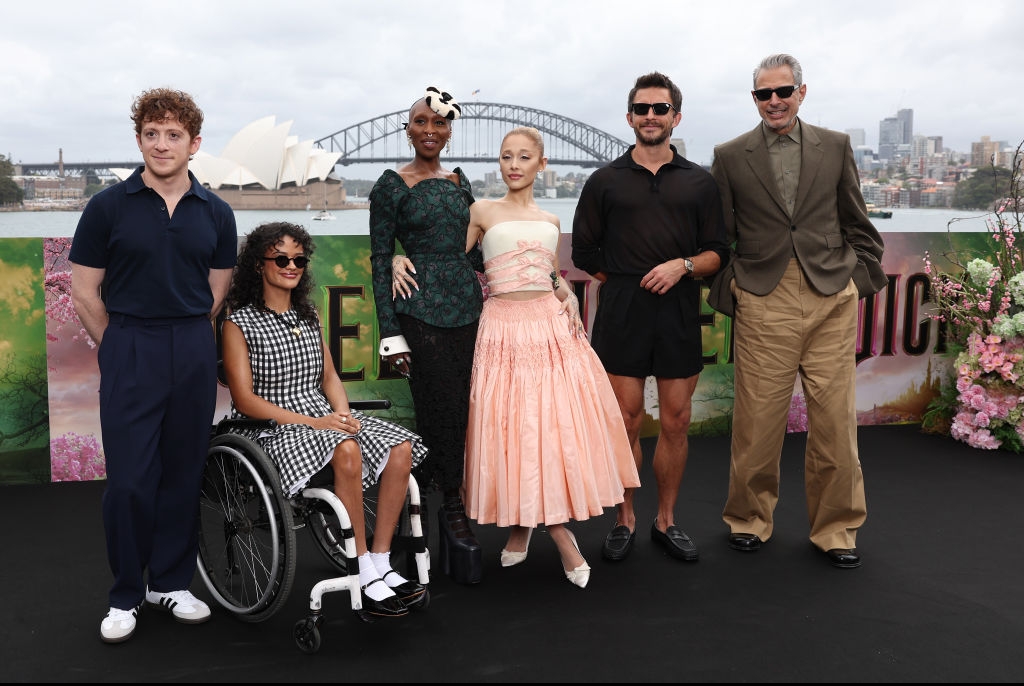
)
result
[(646, 226)]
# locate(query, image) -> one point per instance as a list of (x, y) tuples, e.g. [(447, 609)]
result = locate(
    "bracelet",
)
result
[(554, 280)]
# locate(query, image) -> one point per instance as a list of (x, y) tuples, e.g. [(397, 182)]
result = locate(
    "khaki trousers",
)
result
[(796, 330)]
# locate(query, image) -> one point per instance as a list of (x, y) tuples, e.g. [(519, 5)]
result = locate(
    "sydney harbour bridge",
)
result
[(476, 137)]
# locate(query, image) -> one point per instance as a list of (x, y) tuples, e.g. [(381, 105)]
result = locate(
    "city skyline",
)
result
[(899, 126)]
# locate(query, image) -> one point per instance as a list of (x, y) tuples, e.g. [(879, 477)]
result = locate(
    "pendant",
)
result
[(297, 331)]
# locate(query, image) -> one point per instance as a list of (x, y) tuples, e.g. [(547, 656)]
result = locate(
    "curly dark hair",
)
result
[(247, 280), (157, 104)]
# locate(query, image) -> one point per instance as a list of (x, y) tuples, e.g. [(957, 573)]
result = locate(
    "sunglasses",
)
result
[(642, 108), (765, 94), (282, 261)]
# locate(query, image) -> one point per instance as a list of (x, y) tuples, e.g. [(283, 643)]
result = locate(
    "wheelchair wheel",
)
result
[(307, 635), (247, 552)]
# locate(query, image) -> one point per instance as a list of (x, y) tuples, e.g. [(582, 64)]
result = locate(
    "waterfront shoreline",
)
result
[(58, 223)]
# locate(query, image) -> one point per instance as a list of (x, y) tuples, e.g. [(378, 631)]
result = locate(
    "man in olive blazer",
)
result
[(831, 234), (803, 253)]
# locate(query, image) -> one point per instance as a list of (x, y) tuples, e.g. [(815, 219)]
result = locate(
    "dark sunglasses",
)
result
[(282, 261), (642, 108), (765, 94)]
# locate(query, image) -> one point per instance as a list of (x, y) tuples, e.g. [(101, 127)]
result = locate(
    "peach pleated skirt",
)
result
[(546, 442)]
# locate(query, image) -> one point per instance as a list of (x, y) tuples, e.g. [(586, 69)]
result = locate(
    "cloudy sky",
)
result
[(71, 70)]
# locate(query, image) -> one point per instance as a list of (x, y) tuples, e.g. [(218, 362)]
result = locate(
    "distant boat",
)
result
[(876, 213), (323, 216)]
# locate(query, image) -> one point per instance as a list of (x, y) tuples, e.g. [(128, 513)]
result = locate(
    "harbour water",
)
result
[(357, 221)]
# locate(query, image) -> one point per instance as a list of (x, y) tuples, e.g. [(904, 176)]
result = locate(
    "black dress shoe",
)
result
[(844, 558), (745, 542), (408, 592), (618, 543), (389, 607), (675, 542)]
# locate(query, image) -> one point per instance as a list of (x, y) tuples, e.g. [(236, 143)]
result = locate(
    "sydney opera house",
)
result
[(264, 167)]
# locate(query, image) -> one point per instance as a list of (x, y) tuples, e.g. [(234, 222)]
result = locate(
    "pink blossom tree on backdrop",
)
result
[(73, 456)]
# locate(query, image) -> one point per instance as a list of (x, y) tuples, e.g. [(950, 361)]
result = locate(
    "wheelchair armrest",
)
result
[(225, 425), (363, 405), (247, 424)]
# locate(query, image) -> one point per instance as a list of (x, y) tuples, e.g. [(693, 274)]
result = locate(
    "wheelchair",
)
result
[(247, 533)]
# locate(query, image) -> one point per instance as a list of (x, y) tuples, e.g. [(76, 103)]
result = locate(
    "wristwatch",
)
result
[(688, 263)]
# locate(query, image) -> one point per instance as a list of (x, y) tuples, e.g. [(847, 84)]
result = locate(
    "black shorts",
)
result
[(638, 333)]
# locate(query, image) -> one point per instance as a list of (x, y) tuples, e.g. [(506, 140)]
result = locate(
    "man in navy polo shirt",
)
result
[(152, 259)]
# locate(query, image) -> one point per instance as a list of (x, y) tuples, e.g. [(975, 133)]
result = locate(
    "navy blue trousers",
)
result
[(158, 393)]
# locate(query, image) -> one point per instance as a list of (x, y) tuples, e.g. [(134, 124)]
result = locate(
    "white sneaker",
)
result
[(185, 607), (118, 625)]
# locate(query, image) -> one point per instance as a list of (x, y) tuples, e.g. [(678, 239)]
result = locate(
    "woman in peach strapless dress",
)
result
[(546, 443)]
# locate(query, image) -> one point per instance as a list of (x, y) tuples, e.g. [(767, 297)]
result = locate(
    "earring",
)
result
[(408, 139)]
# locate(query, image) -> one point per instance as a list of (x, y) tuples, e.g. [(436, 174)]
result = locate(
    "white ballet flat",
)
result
[(581, 575), (510, 558)]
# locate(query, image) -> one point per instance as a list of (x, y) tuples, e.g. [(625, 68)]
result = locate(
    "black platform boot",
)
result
[(461, 556)]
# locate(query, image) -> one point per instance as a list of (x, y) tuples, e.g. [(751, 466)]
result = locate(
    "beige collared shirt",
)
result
[(784, 152)]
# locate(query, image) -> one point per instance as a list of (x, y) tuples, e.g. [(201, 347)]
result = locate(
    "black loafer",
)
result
[(618, 543), (391, 606), (745, 542), (844, 558), (675, 542)]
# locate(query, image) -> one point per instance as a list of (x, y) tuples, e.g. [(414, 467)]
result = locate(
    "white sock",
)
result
[(367, 574), (382, 561)]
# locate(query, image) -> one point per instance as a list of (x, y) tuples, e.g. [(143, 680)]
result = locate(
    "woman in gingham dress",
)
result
[(278, 367)]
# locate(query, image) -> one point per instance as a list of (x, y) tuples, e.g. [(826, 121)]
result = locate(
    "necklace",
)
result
[(283, 316)]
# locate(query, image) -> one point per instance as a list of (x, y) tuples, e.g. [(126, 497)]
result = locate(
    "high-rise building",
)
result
[(889, 130), (984, 151), (906, 120), (894, 132), (921, 146), (856, 137)]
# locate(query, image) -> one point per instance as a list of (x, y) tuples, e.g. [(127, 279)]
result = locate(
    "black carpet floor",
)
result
[(938, 599)]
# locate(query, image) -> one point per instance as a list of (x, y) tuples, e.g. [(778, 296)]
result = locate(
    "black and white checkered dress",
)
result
[(287, 359)]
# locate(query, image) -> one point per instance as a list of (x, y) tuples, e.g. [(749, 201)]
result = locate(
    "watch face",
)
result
[(689, 266)]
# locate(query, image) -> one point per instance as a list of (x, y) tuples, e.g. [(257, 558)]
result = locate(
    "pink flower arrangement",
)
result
[(989, 393), (982, 307)]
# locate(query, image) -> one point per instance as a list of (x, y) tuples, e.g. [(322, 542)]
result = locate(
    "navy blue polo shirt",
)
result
[(156, 265)]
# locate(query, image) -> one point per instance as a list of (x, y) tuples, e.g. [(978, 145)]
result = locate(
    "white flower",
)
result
[(1016, 288), (981, 271), (1008, 327)]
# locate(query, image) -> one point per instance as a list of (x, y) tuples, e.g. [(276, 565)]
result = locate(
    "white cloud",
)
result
[(326, 64)]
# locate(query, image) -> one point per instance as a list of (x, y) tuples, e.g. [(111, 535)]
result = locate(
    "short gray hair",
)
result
[(781, 60)]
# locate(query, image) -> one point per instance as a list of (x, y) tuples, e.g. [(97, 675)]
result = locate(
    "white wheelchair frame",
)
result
[(247, 546)]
